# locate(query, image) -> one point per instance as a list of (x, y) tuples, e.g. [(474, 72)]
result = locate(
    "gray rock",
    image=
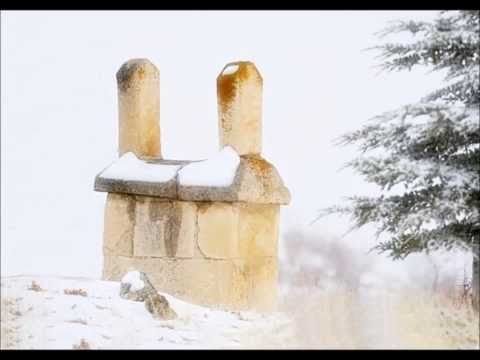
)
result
[(158, 306), (130, 286), (136, 286)]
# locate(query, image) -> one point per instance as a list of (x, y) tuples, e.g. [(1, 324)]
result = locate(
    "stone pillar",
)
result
[(239, 96), (139, 109)]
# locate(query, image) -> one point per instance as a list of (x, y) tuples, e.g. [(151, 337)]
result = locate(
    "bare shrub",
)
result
[(83, 345), (77, 321), (315, 261), (35, 286)]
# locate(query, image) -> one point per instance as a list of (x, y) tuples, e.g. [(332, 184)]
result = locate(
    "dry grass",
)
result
[(323, 319), (83, 345), (77, 321), (79, 292), (342, 319), (35, 287), (427, 321), (333, 307), (8, 328)]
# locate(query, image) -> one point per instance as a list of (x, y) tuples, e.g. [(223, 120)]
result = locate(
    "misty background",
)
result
[(59, 121)]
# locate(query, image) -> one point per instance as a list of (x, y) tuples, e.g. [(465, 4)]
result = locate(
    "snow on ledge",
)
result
[(218, 171), (230, 69), (133, 278), (130, 168)]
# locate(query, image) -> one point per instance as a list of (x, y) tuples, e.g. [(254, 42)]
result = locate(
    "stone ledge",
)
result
[(256, 181)]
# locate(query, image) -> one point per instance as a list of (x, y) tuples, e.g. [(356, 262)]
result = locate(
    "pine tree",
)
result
[(425, 157)]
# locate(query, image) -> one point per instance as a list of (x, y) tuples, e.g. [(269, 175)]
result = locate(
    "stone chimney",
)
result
[(239, 96), (139, 109)]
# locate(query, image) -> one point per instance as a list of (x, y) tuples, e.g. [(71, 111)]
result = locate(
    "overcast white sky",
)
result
[(59, 112)]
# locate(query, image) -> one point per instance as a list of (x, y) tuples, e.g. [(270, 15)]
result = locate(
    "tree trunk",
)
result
[(475, 276), (435, 274)]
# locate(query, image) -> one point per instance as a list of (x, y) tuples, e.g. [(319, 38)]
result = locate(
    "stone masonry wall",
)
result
[(211, 253)]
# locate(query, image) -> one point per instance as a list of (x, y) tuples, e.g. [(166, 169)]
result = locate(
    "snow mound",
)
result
[(218, 171), (231, 69), (130, 168), (134, 280)]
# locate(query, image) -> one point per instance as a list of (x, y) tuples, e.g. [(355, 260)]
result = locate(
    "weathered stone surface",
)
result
[(166, 189), (153, 227), (237, 230), (164, 228), (187, 213), (259, 182), (139, 108), (119, 224), (257, 230), (256, 181), (233, 284), (158, 306), (252, 283), (186, 279), (239, 96), (130, 289), (218, 230), (149, 226)]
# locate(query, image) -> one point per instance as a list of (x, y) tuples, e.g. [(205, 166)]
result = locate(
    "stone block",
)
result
[(187, 233), (119, 225), (231, 284), (237, 230), (259, 182), (218, 230), (164, 228), (251, 284), (257, 230)]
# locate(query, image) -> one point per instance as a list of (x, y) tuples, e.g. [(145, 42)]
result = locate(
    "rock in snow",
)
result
[(158, 306), (136, 286)]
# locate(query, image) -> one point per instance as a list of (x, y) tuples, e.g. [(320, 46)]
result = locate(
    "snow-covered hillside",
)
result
[(328, 318), (47, 318)]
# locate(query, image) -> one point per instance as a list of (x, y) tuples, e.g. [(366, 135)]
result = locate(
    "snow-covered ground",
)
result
[(51, 319), (310, 317)]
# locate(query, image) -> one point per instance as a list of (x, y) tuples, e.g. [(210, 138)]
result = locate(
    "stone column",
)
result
[(139, 109), (239, 96)]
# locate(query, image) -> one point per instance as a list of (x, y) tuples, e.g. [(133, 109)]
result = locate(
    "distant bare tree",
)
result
[(316, 260)]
